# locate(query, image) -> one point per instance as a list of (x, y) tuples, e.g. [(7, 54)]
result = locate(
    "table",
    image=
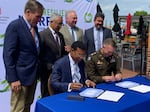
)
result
[(131, 102)]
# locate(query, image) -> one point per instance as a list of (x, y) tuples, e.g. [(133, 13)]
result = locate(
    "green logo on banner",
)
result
[(68, 0), (1, 39), (1, 35), (88, 17), (4, 86)]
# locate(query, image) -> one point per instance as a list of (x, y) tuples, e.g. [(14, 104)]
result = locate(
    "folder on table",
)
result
[(127, 84), (91, 92)]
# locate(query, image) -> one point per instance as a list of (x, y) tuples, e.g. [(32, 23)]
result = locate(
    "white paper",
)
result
[(141, 88), (127, 84), (91, 92), (111, 96)]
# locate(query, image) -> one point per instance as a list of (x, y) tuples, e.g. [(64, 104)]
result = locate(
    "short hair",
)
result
[(110, 41), (78, 44), (99, 14), (33, 6), (54, 16), (68, 12)]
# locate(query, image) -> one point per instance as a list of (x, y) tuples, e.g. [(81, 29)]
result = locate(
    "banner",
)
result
[(10, 10)]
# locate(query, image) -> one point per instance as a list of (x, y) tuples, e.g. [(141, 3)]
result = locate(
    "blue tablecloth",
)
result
[(132, 101)]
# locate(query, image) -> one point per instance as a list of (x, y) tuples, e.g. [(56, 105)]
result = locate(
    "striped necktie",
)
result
[(73, 35), (57, 38)]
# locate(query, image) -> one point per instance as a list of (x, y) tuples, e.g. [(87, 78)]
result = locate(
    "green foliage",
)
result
[(140, 13), (5, 86)]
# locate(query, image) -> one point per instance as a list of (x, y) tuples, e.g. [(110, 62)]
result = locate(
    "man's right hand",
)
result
[(109, 78), (68, 48), (76, 86), (16, 86)]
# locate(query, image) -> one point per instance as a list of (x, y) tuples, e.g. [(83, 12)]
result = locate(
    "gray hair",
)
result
[(33, 6), (68, 13), (54, 16)]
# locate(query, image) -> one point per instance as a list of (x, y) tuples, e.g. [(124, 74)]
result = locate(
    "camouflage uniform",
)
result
[(97, 66)]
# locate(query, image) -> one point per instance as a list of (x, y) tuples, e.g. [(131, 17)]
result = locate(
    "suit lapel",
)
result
[(92, 36), (104, 34), (69, 70), (28, 33), (68, 32), (52, 42)]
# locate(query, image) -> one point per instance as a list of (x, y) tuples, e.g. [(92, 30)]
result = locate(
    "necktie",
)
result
[(98, 45), (57, 38), (76, 75), (72, 33), (33, 33)]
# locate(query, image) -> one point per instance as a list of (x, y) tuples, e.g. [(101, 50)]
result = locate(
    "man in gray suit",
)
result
[(52, 48), (95, 36), (70, 31)]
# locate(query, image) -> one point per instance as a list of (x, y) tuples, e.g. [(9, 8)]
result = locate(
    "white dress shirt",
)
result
[(76, 76)]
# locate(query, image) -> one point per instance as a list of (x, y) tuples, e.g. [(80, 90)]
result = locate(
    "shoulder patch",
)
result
[(93, 53), (89, 58)]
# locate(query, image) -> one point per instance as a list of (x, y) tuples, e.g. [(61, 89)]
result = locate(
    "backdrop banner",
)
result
[(10, 10)]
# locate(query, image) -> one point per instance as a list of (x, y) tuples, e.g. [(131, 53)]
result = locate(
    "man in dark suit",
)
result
[(21, 50), (52, 49), (68, 72), (95, 36)]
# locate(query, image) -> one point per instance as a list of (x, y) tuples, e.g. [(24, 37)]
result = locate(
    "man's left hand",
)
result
[(90, 83)]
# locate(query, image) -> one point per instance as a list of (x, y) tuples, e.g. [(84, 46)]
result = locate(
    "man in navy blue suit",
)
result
[(95, 36), (68, 73), (21, 50)]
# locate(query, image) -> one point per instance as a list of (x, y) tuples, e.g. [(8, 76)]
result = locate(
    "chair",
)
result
[(130, 53), (144, 58), (50, 89)]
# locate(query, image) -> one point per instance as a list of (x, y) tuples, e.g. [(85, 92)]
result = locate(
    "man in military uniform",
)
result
[(103, 65)]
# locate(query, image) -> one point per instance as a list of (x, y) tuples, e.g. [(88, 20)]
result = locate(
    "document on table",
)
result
[(141, 88), (127, 84), (111, 96), (91, 92)]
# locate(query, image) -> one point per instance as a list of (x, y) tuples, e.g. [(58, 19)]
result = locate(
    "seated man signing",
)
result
[(68, 73), (103, 65)]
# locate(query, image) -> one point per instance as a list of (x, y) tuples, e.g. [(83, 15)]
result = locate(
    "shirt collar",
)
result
[(53, 32), (72, 62), (28, 24)]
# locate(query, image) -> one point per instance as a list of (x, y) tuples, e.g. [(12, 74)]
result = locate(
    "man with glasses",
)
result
[(68, 73), (52, 48), (103, 65)]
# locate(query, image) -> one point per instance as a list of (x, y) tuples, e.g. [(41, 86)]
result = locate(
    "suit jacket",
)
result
[(50, 50), (68, 37), (89, 38), (20, 53), (61, 75)]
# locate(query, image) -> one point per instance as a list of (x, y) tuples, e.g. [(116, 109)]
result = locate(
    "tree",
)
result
[(139, 13)]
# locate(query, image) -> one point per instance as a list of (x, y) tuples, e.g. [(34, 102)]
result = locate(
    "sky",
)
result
[(125, 7)]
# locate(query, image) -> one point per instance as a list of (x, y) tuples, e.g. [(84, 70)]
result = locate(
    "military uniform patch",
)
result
[(93, 53), (89, 58), (99, 62)]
